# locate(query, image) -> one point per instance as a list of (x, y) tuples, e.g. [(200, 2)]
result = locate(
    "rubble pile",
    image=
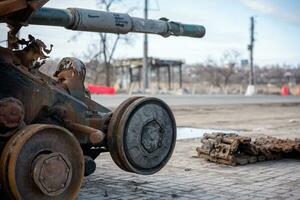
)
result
[(232, 149)]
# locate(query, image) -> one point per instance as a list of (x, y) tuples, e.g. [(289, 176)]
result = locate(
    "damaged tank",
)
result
[(51, 131)]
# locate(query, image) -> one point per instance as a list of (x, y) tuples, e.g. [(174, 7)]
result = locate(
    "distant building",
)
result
[(129, 71)]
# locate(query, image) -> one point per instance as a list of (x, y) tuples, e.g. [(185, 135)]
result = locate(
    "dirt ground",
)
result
[(280, 119), (187, 177)]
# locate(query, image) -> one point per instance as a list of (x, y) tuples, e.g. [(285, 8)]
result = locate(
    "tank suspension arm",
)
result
[(94, 136), (109, 22)]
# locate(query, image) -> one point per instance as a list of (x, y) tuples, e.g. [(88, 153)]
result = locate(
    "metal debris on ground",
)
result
[(232, 149)]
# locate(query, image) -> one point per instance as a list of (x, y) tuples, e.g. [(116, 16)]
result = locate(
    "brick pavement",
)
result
[(186, 177)]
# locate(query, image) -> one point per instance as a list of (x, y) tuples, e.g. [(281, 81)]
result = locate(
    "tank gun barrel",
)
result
[(110, 22)]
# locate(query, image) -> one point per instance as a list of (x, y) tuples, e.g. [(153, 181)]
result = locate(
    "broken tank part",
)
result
[(232, 149)]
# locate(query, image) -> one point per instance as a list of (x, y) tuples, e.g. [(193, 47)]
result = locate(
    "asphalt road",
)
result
[(173, 100)]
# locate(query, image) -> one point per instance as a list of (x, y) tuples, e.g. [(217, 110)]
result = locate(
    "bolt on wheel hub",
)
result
[(43, 162), (52, 173), (152, 136)]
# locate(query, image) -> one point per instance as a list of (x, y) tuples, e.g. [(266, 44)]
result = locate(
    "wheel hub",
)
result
[(142, 135), (52, 173), (152, 135)]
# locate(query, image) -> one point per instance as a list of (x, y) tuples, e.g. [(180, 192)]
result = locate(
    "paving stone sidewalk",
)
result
[(187, 177)]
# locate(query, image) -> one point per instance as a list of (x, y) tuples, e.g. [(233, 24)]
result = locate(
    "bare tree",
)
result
[(102, 52), (218, 72), (213, 72), (229, 61), (107, 50)]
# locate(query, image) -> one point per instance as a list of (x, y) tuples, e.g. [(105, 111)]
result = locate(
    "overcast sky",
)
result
[(226, 21)]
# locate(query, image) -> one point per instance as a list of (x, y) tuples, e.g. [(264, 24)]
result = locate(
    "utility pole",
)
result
[(251, 88), (145, 58), (250, 47)]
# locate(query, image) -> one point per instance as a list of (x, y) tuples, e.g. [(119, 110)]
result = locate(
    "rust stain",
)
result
[(232, 149)]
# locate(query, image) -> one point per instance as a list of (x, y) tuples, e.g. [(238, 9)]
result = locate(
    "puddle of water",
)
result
[(187, 132)]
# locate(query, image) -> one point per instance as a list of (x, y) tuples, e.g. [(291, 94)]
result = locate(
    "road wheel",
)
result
[(42, 162), (144, 136), (113, 126)]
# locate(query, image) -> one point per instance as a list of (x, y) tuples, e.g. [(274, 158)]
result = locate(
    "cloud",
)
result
[(273, 8), (259, 5)]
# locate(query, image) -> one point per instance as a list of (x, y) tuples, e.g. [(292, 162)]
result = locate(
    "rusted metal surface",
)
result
[(273, 148), (16, 13), (34, 50), (95, 136), (232, 149), (10, 6), (28, 156), (11, 113), (70, 73), (47, 166), (144, 124), (51, 130)]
